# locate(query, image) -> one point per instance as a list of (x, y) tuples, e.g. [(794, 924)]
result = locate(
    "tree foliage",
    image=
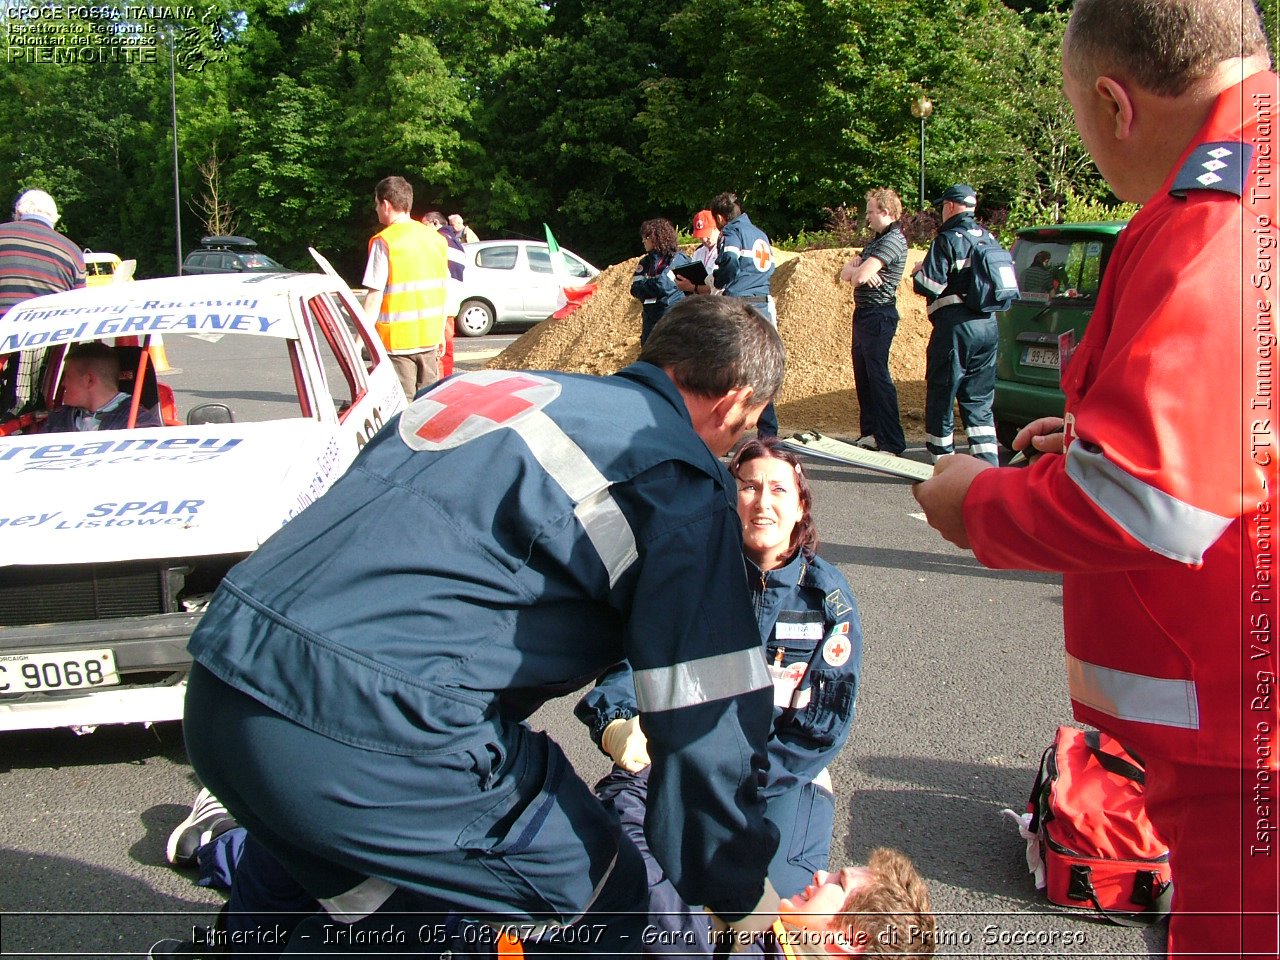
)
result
[(590, 115)]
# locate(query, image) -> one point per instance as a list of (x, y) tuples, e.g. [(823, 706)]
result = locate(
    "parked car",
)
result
[(1059, 271), (509, 282), (227, 254), (115, 540), (103, 268)]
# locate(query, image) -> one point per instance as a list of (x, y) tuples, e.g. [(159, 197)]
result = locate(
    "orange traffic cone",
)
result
[(159, 359)]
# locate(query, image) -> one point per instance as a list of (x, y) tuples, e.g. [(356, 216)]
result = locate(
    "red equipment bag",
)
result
[(1089, 818)]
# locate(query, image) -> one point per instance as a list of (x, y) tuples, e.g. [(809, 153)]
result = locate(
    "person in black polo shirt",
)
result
[(875, 274)]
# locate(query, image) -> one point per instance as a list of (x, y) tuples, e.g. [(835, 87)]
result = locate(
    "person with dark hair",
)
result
[(1155, 494), (744, 269), (812, 637), (1038, 277), (434, 630), (91, 394), (875, 274), (407, 275), (654, 285), (453, 299)]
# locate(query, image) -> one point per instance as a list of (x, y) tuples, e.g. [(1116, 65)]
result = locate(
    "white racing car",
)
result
[(112, 542)]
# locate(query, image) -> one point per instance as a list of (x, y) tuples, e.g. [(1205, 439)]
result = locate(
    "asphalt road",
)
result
[(963, 687)]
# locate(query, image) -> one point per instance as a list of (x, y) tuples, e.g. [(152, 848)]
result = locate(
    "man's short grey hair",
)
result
[(1165, 46), (712, 345), (36, 203)]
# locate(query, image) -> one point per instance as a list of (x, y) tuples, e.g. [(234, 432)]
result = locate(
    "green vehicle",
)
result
[(1059, 271)]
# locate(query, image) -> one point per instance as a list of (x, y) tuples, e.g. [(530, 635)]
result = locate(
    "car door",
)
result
[(542, 293), (498, 275)]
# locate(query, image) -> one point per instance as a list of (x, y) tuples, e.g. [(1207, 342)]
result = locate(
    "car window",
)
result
[(539, 259), (497, 258), (343, 374), (259, 261), (576, 267), (1060, 267), (359, 333)]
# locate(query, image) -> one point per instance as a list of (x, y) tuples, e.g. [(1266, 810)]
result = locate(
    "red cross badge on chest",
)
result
[(472, 405)]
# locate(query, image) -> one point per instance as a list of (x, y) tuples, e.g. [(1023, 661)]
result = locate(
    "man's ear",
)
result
[(726, 408), (1118, 105)]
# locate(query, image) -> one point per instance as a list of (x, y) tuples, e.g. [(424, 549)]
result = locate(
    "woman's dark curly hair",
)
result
[(805, 535), (662, 234)]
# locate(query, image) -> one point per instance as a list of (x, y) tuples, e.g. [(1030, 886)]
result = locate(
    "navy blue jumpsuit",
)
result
[(744, 268), (361, 681), (812, 635), (960, 359)]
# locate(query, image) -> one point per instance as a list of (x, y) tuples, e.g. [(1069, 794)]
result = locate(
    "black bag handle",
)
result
[(1111, 763), (1146, 886)]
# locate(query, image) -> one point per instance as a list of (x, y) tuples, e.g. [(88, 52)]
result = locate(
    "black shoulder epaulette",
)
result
[(1215, 166)]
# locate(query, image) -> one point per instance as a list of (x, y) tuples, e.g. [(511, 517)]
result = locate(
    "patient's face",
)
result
[(813, 907)]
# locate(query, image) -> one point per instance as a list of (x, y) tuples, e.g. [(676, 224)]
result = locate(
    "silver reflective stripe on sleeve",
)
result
[(601, 517), (739, 252), (1133, 696), (1155, 519), (701, 681), (360, 901), (413, 285), (946, 301), (930, 284)]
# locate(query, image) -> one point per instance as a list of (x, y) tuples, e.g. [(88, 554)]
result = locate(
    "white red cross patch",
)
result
[(472, 405)]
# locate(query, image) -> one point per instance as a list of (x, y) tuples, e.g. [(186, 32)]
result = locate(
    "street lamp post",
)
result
[(922, 107), (177, 194)]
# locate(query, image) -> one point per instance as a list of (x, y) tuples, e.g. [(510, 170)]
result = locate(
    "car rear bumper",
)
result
[(1020, 403), (150, 656)]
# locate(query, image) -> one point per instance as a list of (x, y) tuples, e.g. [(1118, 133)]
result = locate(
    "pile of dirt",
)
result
[(814, 313)]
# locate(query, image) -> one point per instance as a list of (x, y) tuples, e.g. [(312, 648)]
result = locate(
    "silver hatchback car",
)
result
[(510, 281)]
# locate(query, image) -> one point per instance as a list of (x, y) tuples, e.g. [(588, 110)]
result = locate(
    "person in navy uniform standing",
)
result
[(744, 269), (960, 360), (654, 285), (361, 682)]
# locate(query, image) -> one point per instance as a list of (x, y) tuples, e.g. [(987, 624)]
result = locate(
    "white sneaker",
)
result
[(208, 819), (867, 442)]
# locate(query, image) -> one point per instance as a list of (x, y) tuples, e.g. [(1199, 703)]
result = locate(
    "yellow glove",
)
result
[(736, 936), (626, 743)]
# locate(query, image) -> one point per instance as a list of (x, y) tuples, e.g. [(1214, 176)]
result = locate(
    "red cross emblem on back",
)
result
[(472, 405), (762, 255)]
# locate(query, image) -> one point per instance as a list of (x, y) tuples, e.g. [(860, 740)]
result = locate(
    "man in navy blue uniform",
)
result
[(361, 682), (960, 360), (744, 269)]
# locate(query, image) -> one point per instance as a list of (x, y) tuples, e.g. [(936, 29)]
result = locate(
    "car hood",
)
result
[(153, 493)]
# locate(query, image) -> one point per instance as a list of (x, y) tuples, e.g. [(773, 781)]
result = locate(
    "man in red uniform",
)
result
[(1157, 502)]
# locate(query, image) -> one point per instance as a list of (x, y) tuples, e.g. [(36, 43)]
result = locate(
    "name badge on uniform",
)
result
[(799, 631)]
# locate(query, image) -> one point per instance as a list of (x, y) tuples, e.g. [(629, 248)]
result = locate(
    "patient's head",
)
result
[(881, 909)]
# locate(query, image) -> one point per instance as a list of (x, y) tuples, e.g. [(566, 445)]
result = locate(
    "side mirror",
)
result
[(210, 413)]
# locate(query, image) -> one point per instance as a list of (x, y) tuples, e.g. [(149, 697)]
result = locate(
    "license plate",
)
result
[(44, 672), (1040, 357)]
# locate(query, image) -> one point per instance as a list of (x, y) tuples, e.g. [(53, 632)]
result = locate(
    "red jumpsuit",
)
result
[(1161, 517)]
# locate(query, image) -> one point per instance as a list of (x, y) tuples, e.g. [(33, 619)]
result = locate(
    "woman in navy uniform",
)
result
[(812, 639)]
